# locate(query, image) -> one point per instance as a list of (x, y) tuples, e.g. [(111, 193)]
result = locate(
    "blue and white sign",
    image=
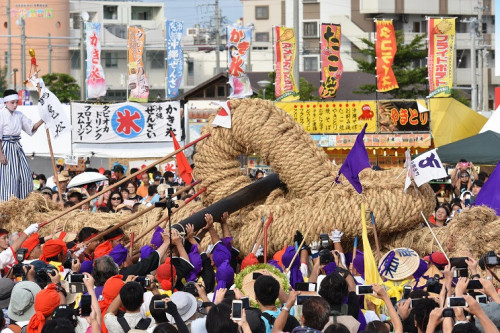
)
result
[(125, 122), (175, 58)]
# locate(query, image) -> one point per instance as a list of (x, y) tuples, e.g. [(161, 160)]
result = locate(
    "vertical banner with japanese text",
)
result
[(285, 87), (95, 80), (125, 122), (385, 50), (175, 58), (52, 113), (137, 80), (441, 56), (238, 43), (331, 65)]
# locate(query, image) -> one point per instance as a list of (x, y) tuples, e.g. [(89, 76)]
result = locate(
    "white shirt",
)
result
[(13, 123)]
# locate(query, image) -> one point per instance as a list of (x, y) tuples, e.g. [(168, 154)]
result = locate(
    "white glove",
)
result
[(260, 251), (31, 229), (77, 253), (336, 236), (303, 269), (314, 246)]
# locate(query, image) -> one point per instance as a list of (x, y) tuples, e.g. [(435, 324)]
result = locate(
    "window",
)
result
[(142, 13), (110, 59), (75, 59), (118, 30), (310, 64), (210, 92), (110, 12), (262, 36), (221, 91), (261, 12), (157, 59), (310, 29)]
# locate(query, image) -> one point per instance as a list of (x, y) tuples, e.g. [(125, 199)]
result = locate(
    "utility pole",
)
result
[(23, 51), (217, 38), (9, 46), (83, 73), (296, 27), (473, 69), (50, 54)]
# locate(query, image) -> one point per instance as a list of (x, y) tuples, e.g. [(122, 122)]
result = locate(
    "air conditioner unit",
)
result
[(192, 31)]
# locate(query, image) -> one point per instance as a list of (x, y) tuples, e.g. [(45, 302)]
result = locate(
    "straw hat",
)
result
[(63, 176), (399, 264)]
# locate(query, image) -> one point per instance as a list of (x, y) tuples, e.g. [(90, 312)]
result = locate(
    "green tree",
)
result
[(410, 74), (3, 79), (64, 86), (306, 90)]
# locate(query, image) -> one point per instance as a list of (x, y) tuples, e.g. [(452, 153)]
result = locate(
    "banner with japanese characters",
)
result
[(333, 117), (52, 113), (331, 65), (396, 116), (385, 50), (125, 122), (95, 80), (441, 56), (427, 167), (285, 86), (238, 43), (175, 58), (137, 81)]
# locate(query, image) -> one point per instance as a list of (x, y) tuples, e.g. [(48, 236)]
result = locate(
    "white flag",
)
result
[(52, 113), (223, 117), (407, 166), (427, 167)]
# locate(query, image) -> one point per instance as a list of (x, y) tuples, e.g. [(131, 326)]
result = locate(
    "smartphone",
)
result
[(304, 286), (458, 262), (364, 290), (237, 310), (302, 298), (460, 272), (482, 299), (144, 281), (86, 305), (76, 288), (456, 301), (448, 312), (474, 284), (159, 304), (246, 302), (414, 302), (256, 275), (394, 301), (75, 278), (406, 292)]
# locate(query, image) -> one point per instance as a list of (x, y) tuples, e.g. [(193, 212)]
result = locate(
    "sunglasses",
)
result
[(116, 198), (464, 176)]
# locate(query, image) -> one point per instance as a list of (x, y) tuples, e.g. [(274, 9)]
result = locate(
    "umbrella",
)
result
[(86, 178)]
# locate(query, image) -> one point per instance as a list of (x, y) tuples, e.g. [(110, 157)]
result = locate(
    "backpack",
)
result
[(291, 321)]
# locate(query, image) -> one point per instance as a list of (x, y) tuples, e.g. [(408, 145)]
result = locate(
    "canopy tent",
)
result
[(493, 124), (453, 121), (482, 148)]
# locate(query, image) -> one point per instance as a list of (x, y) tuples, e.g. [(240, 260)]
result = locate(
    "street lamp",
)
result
[(263, 84), (14, 71), (84, 17)]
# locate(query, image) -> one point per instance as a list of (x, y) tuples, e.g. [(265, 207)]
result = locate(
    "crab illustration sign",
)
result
[(125, 122)]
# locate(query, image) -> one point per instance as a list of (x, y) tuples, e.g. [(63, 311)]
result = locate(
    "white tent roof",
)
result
[(493, 123)]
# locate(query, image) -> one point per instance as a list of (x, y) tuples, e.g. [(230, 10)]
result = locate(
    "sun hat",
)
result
[(63, 176), (399, 264), (6, 286), (22, 301), (437, 258), (186, 305)]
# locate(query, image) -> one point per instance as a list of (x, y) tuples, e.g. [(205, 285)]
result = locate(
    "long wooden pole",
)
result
[(265, 236), (126, 179), (375, 235), (134, 216)]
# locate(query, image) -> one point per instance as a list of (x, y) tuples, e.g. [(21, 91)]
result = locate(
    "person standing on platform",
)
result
[(15, 172)]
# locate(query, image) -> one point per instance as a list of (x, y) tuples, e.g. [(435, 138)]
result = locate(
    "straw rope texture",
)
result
[(311, 198)]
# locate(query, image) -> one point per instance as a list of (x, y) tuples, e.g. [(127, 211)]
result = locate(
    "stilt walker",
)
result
[(15, 172)]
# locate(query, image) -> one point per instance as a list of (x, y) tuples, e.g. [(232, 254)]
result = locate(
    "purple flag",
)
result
[(356, 161), (489, 195)]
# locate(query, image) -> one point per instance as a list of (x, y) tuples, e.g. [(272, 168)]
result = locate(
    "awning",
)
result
[(482, 148)]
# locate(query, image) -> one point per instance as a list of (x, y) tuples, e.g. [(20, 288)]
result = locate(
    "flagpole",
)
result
[(434, 235), (375, 235)]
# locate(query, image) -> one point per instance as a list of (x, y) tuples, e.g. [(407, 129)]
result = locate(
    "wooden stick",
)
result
[(131, 243), (132, 217), (434, 235), (126, 179), (265, 236), (354, 249), (258, 234), (375, 235)]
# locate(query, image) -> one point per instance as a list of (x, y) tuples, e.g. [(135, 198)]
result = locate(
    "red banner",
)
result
[(385, 49), (331, 65)]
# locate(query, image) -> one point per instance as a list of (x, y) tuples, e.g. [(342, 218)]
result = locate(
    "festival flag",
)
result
[(137, 80), (223, 117), (441, 56), (183, 167), (238, 44), (385, 50), (285, 87), (356, 161), (52, 113), (427, 167), (95, 80), (175, 58), (331, 64), (489, 195)]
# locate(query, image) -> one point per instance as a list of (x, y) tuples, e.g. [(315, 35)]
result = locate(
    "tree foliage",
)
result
[(3, 79), (306, 90), (64, 86), (407, 66)]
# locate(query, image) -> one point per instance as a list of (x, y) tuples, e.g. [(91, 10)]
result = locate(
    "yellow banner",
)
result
[(333, 117), (137, 81), (286, 89), (441, 56)]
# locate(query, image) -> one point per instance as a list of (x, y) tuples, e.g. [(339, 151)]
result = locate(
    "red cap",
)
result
[(437, 258), (249, 260)]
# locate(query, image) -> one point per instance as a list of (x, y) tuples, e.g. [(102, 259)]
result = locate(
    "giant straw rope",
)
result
[(260, 127)]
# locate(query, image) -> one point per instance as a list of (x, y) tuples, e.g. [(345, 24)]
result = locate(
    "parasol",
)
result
[(86, 178)]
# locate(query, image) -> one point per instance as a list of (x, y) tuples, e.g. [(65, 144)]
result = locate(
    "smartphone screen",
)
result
[(448, 313), (159, 304), (364, 290), (76, 278), (414, 302), (86, 305), (474, 284), (406, 292), (456, 301), (246, 302), (394, 301), (237, 310), (482, 299)]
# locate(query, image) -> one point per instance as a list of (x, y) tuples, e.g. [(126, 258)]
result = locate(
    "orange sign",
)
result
[(385, 49)]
